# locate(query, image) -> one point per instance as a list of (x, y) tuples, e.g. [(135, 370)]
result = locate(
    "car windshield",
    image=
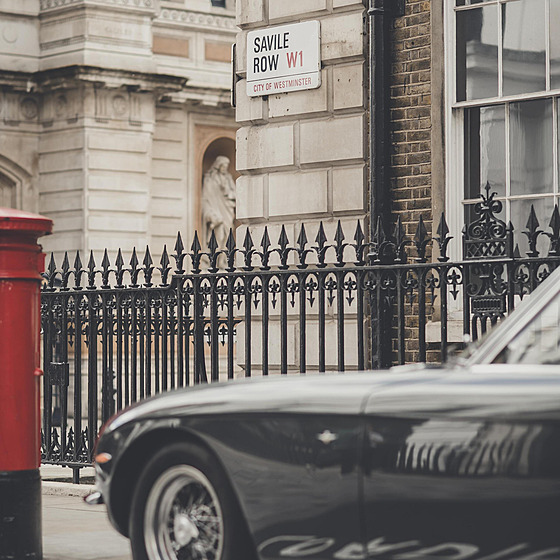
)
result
[(539, 341)]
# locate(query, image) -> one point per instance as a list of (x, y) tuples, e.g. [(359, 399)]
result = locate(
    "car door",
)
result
[(440, 486), (297, 477), (311, 507)]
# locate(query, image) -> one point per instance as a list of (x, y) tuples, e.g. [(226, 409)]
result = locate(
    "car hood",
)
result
[(311, 393)]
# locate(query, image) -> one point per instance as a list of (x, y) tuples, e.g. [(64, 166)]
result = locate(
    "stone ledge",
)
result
[(50, 6)]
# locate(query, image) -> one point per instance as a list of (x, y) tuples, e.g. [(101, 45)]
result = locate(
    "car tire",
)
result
[(183, 508)]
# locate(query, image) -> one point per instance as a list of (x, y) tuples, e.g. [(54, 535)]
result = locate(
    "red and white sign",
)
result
[(285, 58)]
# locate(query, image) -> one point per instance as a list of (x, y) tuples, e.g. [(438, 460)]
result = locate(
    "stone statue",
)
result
[(218, 201)]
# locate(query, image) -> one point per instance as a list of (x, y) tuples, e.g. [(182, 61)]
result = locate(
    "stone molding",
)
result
[(119, 105), (197, 19), (48, 5), (55, 96), (19, 107), (135, 81)]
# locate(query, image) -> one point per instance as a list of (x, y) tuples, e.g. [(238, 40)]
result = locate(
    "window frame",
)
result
[(455, 112)]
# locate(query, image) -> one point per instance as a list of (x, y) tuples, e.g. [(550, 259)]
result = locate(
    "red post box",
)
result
[(21, 262)]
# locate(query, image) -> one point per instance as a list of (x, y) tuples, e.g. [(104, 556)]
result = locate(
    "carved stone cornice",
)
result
[(51, 5), (135, 81), (197, 20), (70, 76)]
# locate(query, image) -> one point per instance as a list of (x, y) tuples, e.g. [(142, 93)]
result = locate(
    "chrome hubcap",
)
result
[(184, 529)]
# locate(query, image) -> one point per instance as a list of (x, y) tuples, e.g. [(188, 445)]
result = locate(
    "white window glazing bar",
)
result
[(507, 99), (500, 51), (508, 163), (555, 140), (548, 49)]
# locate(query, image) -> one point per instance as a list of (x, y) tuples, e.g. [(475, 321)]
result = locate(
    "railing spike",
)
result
[(321, 248), (179, 247), (283, 240), (302, 238), (196, 254), (265, 246), (248, 251), (339, 236), (443, 228), (400, 240), (284, 249), (231, 249), (213, 252), (148, 262), (134, 259), (359, 246), (65, 270), (148, 267), (213, 243), (196, 247), (443, 238), (65, 263), (230, 243), (134, 270), (321, 238), (119, 263), (340, 245), (106, 266), (554, 237), (421, 240), (359, 234), (164, 267), (302, 251), (248, 241), (532, 232), (91, 270), (78, 270), (265, 241), (52, 266), (179, 255), (51, 272)]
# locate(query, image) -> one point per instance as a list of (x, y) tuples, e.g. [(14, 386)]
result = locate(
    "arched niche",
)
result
[(8, 192), (220, 147), (211, 142), (16, 187)]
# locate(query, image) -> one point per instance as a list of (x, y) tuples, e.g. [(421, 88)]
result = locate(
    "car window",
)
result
[(539, 341)]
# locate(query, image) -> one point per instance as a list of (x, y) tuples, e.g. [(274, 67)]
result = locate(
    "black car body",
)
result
[(457, 463)]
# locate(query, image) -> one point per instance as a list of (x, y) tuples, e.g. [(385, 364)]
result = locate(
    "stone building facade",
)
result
[(110, 114), (302, 155)]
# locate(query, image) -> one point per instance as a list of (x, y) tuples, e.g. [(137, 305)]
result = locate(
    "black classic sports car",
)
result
[(461, 463)]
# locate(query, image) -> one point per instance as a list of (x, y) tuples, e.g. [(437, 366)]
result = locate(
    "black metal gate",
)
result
[(116, 333)]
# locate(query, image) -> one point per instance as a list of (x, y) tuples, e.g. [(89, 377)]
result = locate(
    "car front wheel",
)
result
[(183, 509)]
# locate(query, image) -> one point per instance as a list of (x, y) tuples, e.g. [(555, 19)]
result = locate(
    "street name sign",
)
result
[(283, 59)]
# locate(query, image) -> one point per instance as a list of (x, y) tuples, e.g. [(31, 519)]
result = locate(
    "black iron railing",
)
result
[(114, 333)]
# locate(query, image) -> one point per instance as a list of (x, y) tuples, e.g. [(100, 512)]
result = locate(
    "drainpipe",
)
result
[(380, 14)]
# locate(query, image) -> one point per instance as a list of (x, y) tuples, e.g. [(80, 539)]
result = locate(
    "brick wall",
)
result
[(411, 110), (411, 115)]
